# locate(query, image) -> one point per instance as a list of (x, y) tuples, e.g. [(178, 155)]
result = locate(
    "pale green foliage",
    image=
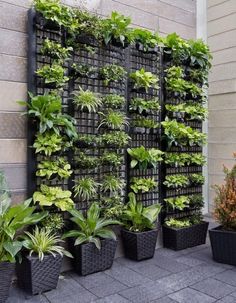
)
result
[(112, 184), (180, 202), (143, 184), (58, 167), (143, 79), (87, 100), (48, 143), (142, 157), (178, 223), (86, 188), (113, 119), (177, 180)]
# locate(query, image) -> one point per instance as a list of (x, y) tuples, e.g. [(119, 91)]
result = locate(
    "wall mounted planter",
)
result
[(139, 245), (6, 274), (223, 245), (181, 238), (35, 276)]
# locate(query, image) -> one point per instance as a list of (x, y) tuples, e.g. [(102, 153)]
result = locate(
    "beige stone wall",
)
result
[(222, 90), (165, 16)]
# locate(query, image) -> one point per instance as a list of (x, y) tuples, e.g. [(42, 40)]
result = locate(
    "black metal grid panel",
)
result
[(186, 170), (150, 139), (37, 34), (88, 123)]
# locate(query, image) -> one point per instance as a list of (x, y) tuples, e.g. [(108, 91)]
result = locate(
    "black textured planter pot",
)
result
[(46, 23), (223, 245), (88, 259), (181, 238), (6, 273), (140, 245), (36, 276)]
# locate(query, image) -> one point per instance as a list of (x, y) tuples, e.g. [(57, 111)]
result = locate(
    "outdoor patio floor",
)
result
[(188, 276)]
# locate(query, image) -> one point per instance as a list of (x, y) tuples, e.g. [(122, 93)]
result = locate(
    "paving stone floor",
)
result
[(189, 276)]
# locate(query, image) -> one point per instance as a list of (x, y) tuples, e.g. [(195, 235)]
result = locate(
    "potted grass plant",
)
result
[(223, 237), (140, 230), (41, 261), (12, 220), (93, 243)]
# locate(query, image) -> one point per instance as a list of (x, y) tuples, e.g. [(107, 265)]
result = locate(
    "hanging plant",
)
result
[(112, 73), (144, 80)]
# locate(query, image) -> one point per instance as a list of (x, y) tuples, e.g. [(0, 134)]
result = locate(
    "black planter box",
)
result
[(181, 238), (6, 273), (36, 276), (223, 245), (88, 259), (140, 245)]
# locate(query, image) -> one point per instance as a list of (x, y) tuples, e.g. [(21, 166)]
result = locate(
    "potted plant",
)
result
[(140, 233), (86, 140), (223, 237), (113, 119), (12, 220), (82, 161), (86, 188), (111, 159), (53, 196), (115, 139), (39, 269), (58, 167), (179, 203), (145, 40), (113, 101), (93, 242), (112, 184), (53, 75), (144, 107), (84, 70), (144, 80), (87, 101), (142, 125), (112, 73), (183, 233), (144, 158), (176, 181), (142, 185), (55, 50)]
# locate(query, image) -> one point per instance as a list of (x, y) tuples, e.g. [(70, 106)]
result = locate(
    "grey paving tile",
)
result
[(189, 277), (190, 295), (150, 271), (228, 299), (93, 280), (233, 294), (228, 276), (164, 300), (112, 299), (146, 292), (214, 288), (69, 291), (190, 261), (126, 276), (108, 289), (168, 263), (17, 295)]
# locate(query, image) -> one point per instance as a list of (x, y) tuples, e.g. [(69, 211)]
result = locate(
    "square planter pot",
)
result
[(36, 276), (6, 274), (181, 238), (140, 245), (88, 259), (223, 245)]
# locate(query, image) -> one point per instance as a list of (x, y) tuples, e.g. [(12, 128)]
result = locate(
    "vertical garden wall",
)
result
[(114, 110)]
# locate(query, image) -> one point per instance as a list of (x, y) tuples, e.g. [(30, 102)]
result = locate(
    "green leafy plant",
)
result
[(196, 201), (138, 218), (58, 167), (200, 55), (86, 188), (113, 119), (112, 73), (146, 38), (112, 184), (91, 228), (181, 135), (87, 140), (42, 242), (53, 74), (143, 79), (112, 207), (55, 50), (197, 179), (180, 202), (47, 109), (86, 100), (175, 181), (84, 161), (12, 220), (140, 121), (197, 159), (117, 139), (178, 223), (143, 157), (54, 11), (84, 70), (112, 159), (142, 185), (53, 222), (144, 106), (113, 101), (115, 29), (191, 112), (177, 159), (49, 143), (53, 196)]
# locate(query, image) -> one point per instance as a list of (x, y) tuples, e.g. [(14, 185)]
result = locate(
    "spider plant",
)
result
[(86, 100), (112, 184), (113, 120), (86, 188)]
